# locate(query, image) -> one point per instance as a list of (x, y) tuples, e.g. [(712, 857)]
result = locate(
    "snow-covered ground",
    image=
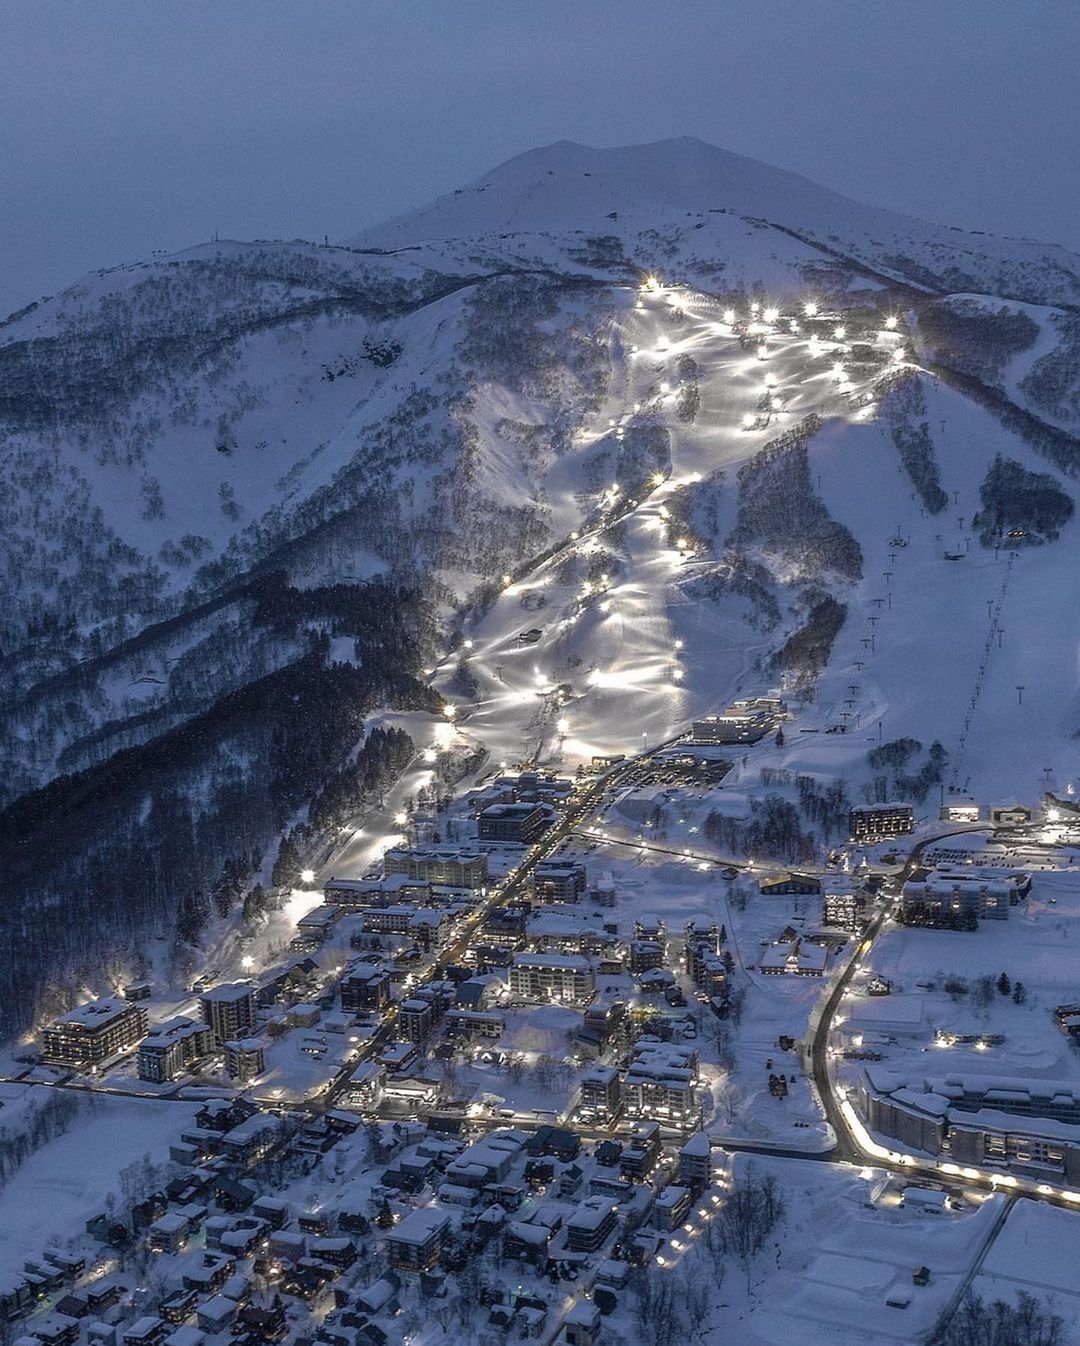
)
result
[(1036, 946), (67, 1181), (845, 1246), (852, 1263), (640, 657), (1035, 1252)]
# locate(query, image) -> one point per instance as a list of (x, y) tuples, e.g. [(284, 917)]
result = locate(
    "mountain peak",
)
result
[(568, 185)]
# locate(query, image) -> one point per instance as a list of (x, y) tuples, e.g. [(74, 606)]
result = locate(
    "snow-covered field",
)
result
[(854, 1261), (67, 1182), (1036, 1252), (843, 1249)]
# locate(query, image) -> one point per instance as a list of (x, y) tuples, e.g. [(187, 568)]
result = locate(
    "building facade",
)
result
[(365, 986), (93, 1033), (552, 977), (172, 1048), (558, 881), (245, 1059), (879, 822), (517, 824), (229, 1009), (452, 869)]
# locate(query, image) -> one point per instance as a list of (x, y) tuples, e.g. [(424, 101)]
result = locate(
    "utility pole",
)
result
[(1020, 693)]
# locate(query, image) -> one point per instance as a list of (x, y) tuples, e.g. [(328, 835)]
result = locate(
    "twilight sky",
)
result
[(129, 126)]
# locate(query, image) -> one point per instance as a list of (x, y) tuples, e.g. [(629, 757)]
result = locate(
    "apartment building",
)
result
[(95, 1032), (245, 1059), (558, 881), (516, 824), (229, 1009), (659, 1081), (365, 986), (941, 899), (563, 978), (175, 1046), (600, 1088), (451, 869), (878, 822), (416, 1243)]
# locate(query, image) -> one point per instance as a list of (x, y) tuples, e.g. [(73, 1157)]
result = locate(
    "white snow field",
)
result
[(66, 1182), (1036, 1252)]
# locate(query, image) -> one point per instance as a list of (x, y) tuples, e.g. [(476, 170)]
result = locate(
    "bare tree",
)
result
[(729, 1103), (750, 1212), (983, 992), (979, 1323), (658, 1308)]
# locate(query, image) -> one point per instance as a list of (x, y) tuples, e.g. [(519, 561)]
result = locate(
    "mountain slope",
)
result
[(252, 492)]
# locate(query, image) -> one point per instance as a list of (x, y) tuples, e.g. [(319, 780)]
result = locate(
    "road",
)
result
[(847, 1147), (683, 853), (853, 1144)]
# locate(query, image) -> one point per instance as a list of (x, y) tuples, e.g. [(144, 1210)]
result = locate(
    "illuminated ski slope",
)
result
[(637, 658)]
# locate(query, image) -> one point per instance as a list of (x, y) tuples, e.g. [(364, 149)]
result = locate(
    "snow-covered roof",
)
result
[(420, 1225), (95, 1013), (591, 1214), (228, 993), (571, 961)]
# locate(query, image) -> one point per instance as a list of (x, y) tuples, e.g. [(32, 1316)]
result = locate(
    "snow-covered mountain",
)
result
[(251, 490), (703, 209)]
